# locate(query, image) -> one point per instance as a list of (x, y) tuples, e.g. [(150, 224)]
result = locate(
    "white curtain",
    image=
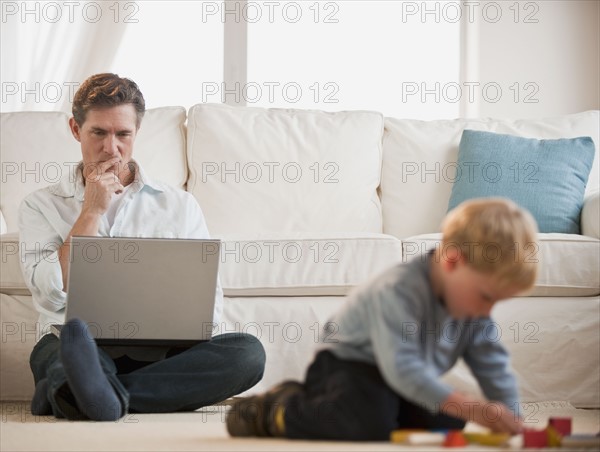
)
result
[(47, 50)]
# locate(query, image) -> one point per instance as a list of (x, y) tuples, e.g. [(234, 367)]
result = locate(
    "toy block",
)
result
[(401, 435), (553, 436), (488, 439), (417, 437), (455, 438), (561, 424), (426, 439), (535, 438)]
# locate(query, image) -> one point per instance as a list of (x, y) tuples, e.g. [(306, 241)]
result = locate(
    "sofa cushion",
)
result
[(257, 170), (547, 177), (11, 277), (303, 264), (271, 265), (38, 149), (569, 264), (160, 145), (419, 163)]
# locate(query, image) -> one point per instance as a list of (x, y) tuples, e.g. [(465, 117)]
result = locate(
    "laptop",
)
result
[(143, 291)]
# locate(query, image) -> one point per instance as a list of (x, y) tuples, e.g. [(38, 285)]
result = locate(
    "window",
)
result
[(397, 57), (172, 52), (341, 55)]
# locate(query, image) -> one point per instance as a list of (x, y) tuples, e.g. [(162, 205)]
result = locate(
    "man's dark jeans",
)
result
[(185, 380)]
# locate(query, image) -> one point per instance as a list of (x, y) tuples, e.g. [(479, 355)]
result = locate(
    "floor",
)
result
[(205, 430)]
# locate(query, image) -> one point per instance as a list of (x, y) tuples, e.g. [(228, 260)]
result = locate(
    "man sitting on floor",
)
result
[(108, 194)]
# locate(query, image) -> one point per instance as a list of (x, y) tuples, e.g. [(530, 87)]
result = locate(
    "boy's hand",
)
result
[(494, 415), (498, 418)]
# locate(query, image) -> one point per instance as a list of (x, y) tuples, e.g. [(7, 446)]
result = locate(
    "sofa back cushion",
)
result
[(256, 170), (419, 163), (160, 145), (38, 149)]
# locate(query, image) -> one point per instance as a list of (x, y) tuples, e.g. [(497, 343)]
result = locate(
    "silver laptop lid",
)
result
[(143, 290)]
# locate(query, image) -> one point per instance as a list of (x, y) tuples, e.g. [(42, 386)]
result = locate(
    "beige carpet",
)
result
[(205, 430)]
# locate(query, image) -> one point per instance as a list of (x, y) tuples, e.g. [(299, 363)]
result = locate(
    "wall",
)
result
[(555, 61)]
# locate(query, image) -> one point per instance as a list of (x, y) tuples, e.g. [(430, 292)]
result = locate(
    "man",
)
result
[(110, 195)]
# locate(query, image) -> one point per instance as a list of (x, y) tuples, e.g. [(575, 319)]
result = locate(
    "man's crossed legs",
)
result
[(75, 379)]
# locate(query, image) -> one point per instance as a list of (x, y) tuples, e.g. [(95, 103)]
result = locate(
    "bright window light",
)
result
[(342, 55), (173, 49)]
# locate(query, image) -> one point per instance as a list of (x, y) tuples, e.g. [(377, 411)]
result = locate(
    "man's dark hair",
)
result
[(105, 91)]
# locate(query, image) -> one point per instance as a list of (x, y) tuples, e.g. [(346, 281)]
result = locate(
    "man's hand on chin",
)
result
[(101, 184), (124, 171)]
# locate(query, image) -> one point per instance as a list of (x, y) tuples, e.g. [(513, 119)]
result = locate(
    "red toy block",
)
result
[(535, 438), (455, 438), (561, 424)]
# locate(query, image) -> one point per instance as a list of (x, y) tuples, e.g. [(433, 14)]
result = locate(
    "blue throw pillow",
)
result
[(547, 177)]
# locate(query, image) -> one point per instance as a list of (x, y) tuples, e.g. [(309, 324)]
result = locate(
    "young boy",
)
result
[(399, 333)]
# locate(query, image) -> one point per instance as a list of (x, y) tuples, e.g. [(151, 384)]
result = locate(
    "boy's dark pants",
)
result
[(349, 400)]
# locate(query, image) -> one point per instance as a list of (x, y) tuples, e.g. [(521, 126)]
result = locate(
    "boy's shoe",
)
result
[(255, 416)]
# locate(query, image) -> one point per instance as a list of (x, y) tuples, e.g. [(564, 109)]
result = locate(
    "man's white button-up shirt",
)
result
[(148, 209)]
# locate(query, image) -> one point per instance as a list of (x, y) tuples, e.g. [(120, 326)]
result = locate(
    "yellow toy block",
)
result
[(488, 439)]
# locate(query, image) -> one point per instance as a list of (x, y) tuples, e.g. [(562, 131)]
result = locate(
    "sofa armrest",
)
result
[(11, 276), (590, 215)]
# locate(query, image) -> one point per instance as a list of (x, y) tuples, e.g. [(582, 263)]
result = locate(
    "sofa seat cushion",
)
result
[(256, 170), (569, 264), (271, 265), (303, 264)]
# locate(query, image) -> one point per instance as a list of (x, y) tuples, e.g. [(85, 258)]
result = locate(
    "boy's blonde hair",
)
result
[(494, 236)]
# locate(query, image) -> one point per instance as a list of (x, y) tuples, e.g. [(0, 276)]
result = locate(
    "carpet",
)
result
[(204, 430)]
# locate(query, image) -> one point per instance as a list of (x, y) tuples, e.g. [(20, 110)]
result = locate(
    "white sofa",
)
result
[(310, 204)]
